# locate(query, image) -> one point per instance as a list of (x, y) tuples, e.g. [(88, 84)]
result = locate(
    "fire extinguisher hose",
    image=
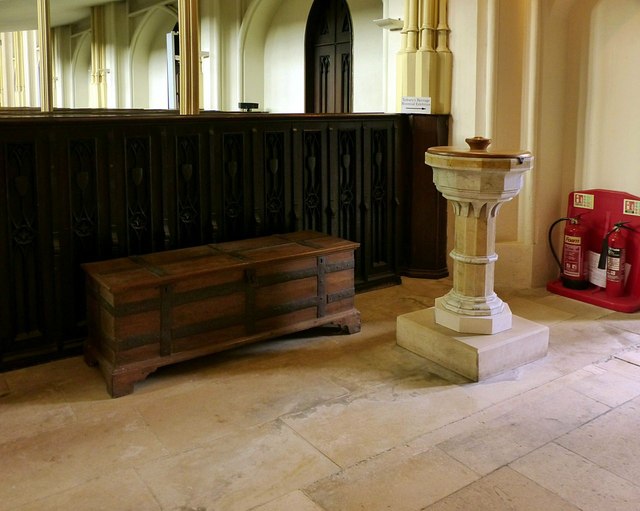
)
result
[(550, 239)]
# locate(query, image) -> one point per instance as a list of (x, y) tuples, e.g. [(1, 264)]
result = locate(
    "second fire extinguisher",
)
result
[(573, 268), (614, 257)]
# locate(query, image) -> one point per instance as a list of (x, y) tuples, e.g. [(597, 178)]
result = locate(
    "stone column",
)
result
[(44, 41), (445, 63), (189, 30), (406, 58), (412, 30), (98, 57), (19, 63), (426, 58)]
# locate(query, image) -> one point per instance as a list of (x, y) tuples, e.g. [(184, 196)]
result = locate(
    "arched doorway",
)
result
[(81, 66), (148, 62), (328, 58)]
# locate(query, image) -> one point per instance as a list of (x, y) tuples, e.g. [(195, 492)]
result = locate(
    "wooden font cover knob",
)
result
[(478, 143)]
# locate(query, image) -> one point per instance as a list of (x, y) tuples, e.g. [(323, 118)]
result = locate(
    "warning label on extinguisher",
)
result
[(573, 265), (583, 200), (615, 264)]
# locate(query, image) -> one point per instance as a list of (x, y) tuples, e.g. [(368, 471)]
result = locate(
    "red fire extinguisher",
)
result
[(613, 257), (573, 268)]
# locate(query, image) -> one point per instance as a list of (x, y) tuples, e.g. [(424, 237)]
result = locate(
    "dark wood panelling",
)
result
[(28, 249), (79, 187), (426, 212)]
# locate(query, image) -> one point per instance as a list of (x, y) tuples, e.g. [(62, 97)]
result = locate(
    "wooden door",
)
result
[(328, 48)]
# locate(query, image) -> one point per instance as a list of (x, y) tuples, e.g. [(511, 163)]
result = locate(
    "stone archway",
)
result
[(149, 59)]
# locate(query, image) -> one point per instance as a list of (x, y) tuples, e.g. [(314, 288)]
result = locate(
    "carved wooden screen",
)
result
[(82, 188), (328, 44)]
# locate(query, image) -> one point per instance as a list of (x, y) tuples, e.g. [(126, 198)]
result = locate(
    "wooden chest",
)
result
[(148, 311)]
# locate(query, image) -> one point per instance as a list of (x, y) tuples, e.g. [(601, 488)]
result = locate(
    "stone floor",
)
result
[(337, 422)]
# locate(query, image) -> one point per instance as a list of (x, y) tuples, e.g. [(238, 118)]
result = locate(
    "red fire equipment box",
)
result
[(598, 212)]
